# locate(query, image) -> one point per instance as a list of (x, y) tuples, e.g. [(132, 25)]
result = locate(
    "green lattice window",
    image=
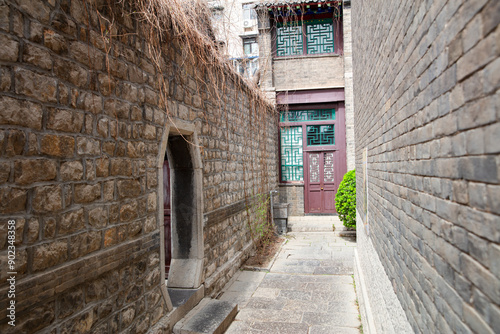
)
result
[(289, 41), (318, 135), (292, 168), (308, 115), (319, 37)]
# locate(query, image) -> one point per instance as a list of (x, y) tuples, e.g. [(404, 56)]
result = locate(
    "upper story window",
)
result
[(249, 12), (249, 18), (250, 47), (305, 38)]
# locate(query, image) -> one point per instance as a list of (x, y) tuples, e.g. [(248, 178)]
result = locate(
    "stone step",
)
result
[(210, 316), (310, 226), (319, 224)]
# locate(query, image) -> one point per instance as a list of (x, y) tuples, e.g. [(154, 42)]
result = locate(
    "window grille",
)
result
[(307, 115), (319, 38), (289, 41), (292, 168), (318, 135), (318, 34)]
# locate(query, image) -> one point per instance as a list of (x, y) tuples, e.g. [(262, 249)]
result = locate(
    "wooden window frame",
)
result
[(339, 123), (338, 39)]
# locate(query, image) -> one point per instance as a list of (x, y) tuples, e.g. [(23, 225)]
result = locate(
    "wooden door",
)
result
[(321, 181), (166, 216)]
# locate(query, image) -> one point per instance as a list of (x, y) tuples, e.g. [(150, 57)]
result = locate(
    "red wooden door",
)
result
[(166, 216), (321, 181)]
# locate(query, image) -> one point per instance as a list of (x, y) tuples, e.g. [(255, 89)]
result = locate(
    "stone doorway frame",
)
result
[(186, 268)]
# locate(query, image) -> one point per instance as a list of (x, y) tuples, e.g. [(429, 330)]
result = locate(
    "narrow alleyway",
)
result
[(308, 289)]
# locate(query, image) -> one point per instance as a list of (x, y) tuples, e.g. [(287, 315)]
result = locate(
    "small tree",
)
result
[(345, 200)]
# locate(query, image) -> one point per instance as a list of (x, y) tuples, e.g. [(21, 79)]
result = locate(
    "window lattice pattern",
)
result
[(314, 167), (320, 135), (292, 168), (289, 41), (328, 168), (308, 115), (319, 38)]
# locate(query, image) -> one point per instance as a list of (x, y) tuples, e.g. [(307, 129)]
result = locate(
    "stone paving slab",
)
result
[(268, 293), (342, 269), (283, 285), (332, 318), (295, 295), (250, 276), (253, 315), (342, 306), (243, 287), (332, 330), (241, 327), (330, 279), (305, 306), (283, 268), (337, 295), (309, 288), (281, 328), (266, 304)]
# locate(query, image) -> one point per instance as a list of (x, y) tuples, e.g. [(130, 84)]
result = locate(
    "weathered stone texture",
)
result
[(48, 255), (81, 124), (427, 111), (30, 171)]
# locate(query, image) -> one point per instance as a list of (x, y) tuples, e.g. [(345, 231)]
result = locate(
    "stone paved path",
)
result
[(309, 288)]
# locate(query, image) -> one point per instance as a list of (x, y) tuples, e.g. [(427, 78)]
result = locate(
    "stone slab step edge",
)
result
[(210, 316), (340, 230)]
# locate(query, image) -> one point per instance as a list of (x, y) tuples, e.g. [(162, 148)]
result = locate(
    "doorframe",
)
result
[(340, 147), (340, 132), (184, 272), (339, 170)]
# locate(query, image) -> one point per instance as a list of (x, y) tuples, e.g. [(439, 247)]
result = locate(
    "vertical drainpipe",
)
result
[(272, 203)]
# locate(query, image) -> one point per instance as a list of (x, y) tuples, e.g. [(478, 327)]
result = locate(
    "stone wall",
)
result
[(426, 77), (293, 194), (82, 125)]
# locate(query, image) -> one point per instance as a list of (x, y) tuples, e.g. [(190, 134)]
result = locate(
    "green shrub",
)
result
[(345, 200)]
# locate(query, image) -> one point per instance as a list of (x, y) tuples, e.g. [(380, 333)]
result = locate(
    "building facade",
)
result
[(427, 125), (306, 69), (235, 26), (93, 101)]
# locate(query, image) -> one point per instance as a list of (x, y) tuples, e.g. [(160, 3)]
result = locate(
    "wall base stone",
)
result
[(381, 311)]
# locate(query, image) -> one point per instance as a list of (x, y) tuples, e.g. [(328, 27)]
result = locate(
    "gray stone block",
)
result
[(281, 225), (210, 316)]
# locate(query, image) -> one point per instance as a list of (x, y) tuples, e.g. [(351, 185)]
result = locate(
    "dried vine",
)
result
[(180, 30)]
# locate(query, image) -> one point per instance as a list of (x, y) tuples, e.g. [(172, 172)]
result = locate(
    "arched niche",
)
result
[(180, 144)]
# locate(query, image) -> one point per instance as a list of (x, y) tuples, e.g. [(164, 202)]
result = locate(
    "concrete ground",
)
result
[(308, 288)]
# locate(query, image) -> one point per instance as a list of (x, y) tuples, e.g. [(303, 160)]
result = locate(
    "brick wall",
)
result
[(349, 91), (308, 72), (426, 80), (81, 125), (293, 194)]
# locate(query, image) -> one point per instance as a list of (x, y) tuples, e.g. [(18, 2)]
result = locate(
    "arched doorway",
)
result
[(186, 206)]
